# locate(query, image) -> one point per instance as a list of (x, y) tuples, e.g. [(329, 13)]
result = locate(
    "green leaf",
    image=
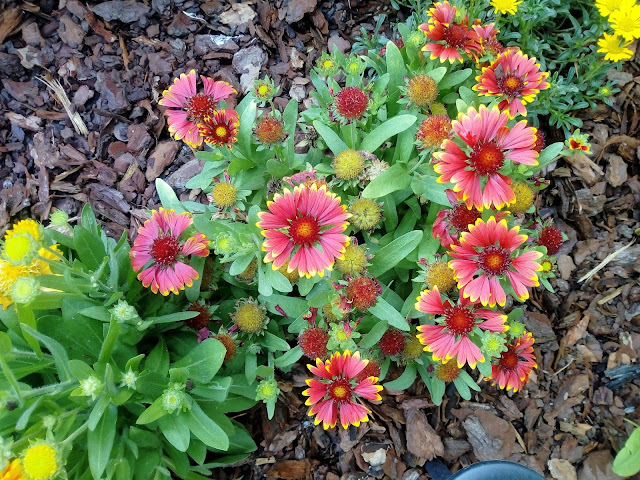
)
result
[(205, 429), (388, 129), (58, 352), (331, 138), (167, 196), (97, 412), (241, 263), (549, 154), (175, 429), (405, 380), (383, 310), (100, 441), (23, 421), (374, 335), (89, 247), (193, 292), (437, 391), (484, 368), (393, 179), (273, 342), (247, 122), (204, 361), (88, 219), (627, 461), (438, 73), (428, 187), (152, 413), (289, 358), (397, 71), (389, 256), (455, 78)]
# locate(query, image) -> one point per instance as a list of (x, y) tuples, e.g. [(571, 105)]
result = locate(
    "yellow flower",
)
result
[(626, 20), (30, 227), (13, 471), (10, 273), (19, 249), (610, 46), (505, 6), (40, 461), (606, 7)]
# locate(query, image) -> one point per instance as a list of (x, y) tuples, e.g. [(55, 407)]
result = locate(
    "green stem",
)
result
[(51, 389), (79, 431)]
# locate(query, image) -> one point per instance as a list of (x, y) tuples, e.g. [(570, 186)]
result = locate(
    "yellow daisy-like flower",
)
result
[(20, 249), (626, 20), (606, 7), (13, 471), (612, 49), (40, 461), (505, 6), (30, 227)]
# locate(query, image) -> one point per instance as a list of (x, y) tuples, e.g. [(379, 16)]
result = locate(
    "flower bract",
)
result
[(158, 247), (334, 394)]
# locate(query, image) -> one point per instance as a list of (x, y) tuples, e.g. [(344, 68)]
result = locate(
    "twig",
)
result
[(59, 92), (605, 262)]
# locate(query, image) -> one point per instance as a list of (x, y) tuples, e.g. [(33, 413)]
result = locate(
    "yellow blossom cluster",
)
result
[(21, 259), (624, 18)]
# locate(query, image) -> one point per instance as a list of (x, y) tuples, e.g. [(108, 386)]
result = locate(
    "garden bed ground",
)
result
[(113, 64)]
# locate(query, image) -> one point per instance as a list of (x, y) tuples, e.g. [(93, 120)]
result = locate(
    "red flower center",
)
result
[(165, 249), (305, 230), (509, 359), (461, 217), (351, 103), (200, 106), (460, 320), (455, 35), (486, 158), (511, 85), (494, 260), (340, 390)]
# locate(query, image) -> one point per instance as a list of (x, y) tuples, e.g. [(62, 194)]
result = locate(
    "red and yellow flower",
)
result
[(514, 366), (334, 395), (486, 255), (449, 39), (488, 145), (304, 227), (515, 79), (188, 108), (159, 248), (220, 128), (449, 337)]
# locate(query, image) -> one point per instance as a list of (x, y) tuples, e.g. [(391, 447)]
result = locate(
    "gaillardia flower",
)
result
[(335, 394), (451, 222), (158, 247), (433, 131), (449, 338), (475, 171), (350, 104), (220, 128), (626, 20), (305, 227), (514, 78), (514, 366), (187, 108), (12, 471), (486, 255), (455, 37), (41, 461)]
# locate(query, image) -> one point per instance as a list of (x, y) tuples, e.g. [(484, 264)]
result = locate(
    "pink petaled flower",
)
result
[(187, 108), (453, 221), (456, 37), (220, 128), (486, 255), (337, 390), (158, 247), (513, 77), (514, 366), (449, 338), (306, 227), (488, 145), (488, 35)]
